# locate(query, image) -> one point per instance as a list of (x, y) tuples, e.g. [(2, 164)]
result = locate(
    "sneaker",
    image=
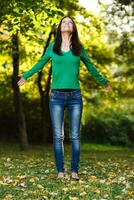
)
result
[(61, 175), (74, 176)]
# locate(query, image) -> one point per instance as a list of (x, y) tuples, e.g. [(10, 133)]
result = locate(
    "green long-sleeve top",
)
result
[(65, 68)]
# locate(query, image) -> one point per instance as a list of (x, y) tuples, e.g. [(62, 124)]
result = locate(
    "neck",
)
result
[(66, 36)]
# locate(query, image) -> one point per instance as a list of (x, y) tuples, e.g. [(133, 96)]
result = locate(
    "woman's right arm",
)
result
[(38, 66)]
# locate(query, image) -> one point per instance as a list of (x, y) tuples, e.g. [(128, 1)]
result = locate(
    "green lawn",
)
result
[(106, 173)]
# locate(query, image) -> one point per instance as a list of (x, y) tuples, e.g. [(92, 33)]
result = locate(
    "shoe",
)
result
[(74, 176), (61, 175)]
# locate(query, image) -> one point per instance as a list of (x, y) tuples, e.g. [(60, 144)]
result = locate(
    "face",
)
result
[(67, 25)]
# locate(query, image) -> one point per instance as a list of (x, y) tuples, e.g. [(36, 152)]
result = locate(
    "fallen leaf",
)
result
[(40, 186)]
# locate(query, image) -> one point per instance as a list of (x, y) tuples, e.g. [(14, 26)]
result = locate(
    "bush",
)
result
[(112, 125)]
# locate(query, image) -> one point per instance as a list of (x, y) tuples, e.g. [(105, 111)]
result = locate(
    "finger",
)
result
[(20, 82)]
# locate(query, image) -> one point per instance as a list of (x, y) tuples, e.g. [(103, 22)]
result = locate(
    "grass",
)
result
[(106, 172)]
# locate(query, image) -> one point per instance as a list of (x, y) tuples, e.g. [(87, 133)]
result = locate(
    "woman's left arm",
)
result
[(92, 69)]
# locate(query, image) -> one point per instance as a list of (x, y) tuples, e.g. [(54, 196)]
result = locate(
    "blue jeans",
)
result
[(72, 100)]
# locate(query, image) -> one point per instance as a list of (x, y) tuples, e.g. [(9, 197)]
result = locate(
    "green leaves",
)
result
[(25, 15)]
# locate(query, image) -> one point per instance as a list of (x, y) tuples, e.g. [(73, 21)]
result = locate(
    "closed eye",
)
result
[(68, 22)]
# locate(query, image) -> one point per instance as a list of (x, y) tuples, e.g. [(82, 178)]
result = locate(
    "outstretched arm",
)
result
[(40, 64), (91, 68)]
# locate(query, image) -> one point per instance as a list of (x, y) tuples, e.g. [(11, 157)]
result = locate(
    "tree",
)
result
[(17, 17)]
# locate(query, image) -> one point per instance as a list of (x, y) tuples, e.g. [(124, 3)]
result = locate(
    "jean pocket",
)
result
[(53, 94)]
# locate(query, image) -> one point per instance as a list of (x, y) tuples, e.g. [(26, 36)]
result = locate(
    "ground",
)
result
[(106, 173)]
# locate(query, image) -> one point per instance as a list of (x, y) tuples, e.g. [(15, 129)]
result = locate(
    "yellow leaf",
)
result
[(53, 194), (14, 183), (102, 181), (83, 194), (2, 183), (110, 174), (31, 180), (65, 189), (40, 186), (8, 196), (81, 182), (21, 176), (22, 184), (97, 191), (73, 198), (92, 177), (100, 164), (8, 159), (45, 197)]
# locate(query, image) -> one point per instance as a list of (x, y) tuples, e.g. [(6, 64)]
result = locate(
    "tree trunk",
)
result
[(20, 117), (46, 124), (46, 129)]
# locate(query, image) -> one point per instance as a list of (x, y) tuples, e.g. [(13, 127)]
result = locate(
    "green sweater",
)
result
[(65, 68)]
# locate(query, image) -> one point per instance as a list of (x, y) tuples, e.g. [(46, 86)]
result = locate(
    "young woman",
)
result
[(65, 53)]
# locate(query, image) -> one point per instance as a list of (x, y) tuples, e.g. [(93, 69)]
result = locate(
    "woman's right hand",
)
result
[(21, 81)]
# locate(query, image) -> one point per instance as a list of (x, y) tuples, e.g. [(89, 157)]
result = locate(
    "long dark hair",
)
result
[(75, 45)]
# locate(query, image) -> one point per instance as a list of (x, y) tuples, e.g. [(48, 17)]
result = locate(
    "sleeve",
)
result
[(91, 68), (40, 64)]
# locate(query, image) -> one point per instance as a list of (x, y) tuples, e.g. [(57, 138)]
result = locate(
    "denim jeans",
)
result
[(72, 100)]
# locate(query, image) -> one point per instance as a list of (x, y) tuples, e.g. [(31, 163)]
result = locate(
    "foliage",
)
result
[(110, 51), (111, 123)]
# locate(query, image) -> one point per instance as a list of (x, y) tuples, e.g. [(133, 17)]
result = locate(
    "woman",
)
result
[(66, 52)]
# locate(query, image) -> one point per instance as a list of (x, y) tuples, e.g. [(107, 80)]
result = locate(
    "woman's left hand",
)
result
[(107, 86)]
